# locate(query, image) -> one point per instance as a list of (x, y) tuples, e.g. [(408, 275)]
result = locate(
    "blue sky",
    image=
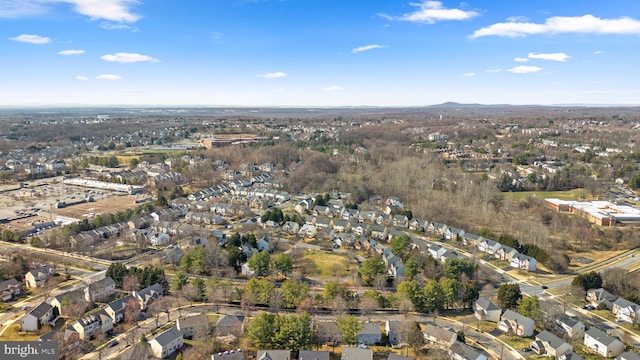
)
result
[(318, 52)]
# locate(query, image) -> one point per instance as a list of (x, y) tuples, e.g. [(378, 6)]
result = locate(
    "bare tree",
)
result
[(367, 306), (130, 283), (275, 301), (132, 312), (190, 292)]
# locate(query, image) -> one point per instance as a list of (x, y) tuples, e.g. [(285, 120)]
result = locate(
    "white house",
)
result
[(100, 290), (38, 277), (90, 325), (602, 343), (166, 343), (523, 262), (625, 310), (37, 317), (370, 334), (486, 310), (628, 355)]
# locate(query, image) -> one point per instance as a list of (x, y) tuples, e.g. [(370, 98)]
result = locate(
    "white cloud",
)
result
[(32, 39), (111, 10), (81, 78), (108, 77), (123, 57), (118, 26), (333, 88), (431, 11), (524, 69), (586, 24), (469, 74), (367, 48), (20, 8), (598, 52), (520, 59), (493, 70), (273, 75), (71, 52), (552, 57)]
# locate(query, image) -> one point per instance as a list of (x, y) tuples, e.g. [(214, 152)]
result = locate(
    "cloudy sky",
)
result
[(318, 52)]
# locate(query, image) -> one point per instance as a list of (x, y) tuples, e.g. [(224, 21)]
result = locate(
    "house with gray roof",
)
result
[(9, 289), (600, 298), (486, 310), (519, 325), (628, 355), (351, 353), (602, 343), (549, 344), (148, 295), (462, 351), (573, 327), (166, 343), (38, 316), (370, 334), (100, 290), (313, 355), (273, 355)]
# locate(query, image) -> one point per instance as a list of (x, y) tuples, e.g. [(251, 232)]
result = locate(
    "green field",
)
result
[(575, 194), (329, 264)]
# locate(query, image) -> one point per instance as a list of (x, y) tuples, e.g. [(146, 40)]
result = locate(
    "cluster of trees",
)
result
[(263, 263), (589, 280), (291, 332), (106, 161), (8, 235), (202, 260), (438, 295), (527, 249), (622, 283), (235, 255), (274, 215), (101, 220), (145, 276)]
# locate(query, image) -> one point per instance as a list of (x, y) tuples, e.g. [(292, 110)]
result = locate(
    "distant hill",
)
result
[(455, 105)]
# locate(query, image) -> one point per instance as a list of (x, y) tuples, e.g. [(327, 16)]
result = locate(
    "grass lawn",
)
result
[(212, 318), (13, 333), (329, 264), (516, 342), (574, 194)]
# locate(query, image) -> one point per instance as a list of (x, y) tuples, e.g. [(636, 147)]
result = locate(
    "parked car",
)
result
[(526, 349)]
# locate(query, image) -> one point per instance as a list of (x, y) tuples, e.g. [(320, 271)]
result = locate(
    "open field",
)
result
[(13, 333), (328, 265), (575, 194), (104, 206)]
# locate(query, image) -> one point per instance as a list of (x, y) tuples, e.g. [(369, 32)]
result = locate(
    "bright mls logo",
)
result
[(31, 350)]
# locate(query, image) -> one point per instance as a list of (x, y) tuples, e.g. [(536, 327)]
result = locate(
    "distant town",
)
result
[(454, 231)]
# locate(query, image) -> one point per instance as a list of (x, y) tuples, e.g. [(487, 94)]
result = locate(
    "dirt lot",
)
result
[(104, 206)]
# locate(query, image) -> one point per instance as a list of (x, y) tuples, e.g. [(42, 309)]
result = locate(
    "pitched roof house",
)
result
[(486, 310), (350, 353), (100, 290), (9, 289), (443, 337), (462, 351), (517, 324), (602, 343), (548, 344), (273, 355), (37, 317), (166, 343), (147, 295), (571, 326), (370, 334), (38, 277), (596, 297)]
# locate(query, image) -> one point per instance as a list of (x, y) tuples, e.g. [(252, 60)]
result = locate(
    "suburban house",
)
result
[(400, 221), (523, 262), (230, 324), (452, 233), (65, 301), (263, 244), (370, 334), (350, 353), (327, 332), (462, 351), (313, 355), (417, 224), (379, 232), (571, 326), (602, 343), (88, 326), (487, 246), (548, 344), (9, 289), (628, 355), (471, 239), (486, 310), (99, 290), (273, 355), (505, 253), (519, 325), (626, 311), (193, 325), (166, 343), (600, 298), (147, 295), (439, 336), (229, 355), (38, 316), (397, 338), (291, 227), (570, 355), (115, 309), (38, 277)]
